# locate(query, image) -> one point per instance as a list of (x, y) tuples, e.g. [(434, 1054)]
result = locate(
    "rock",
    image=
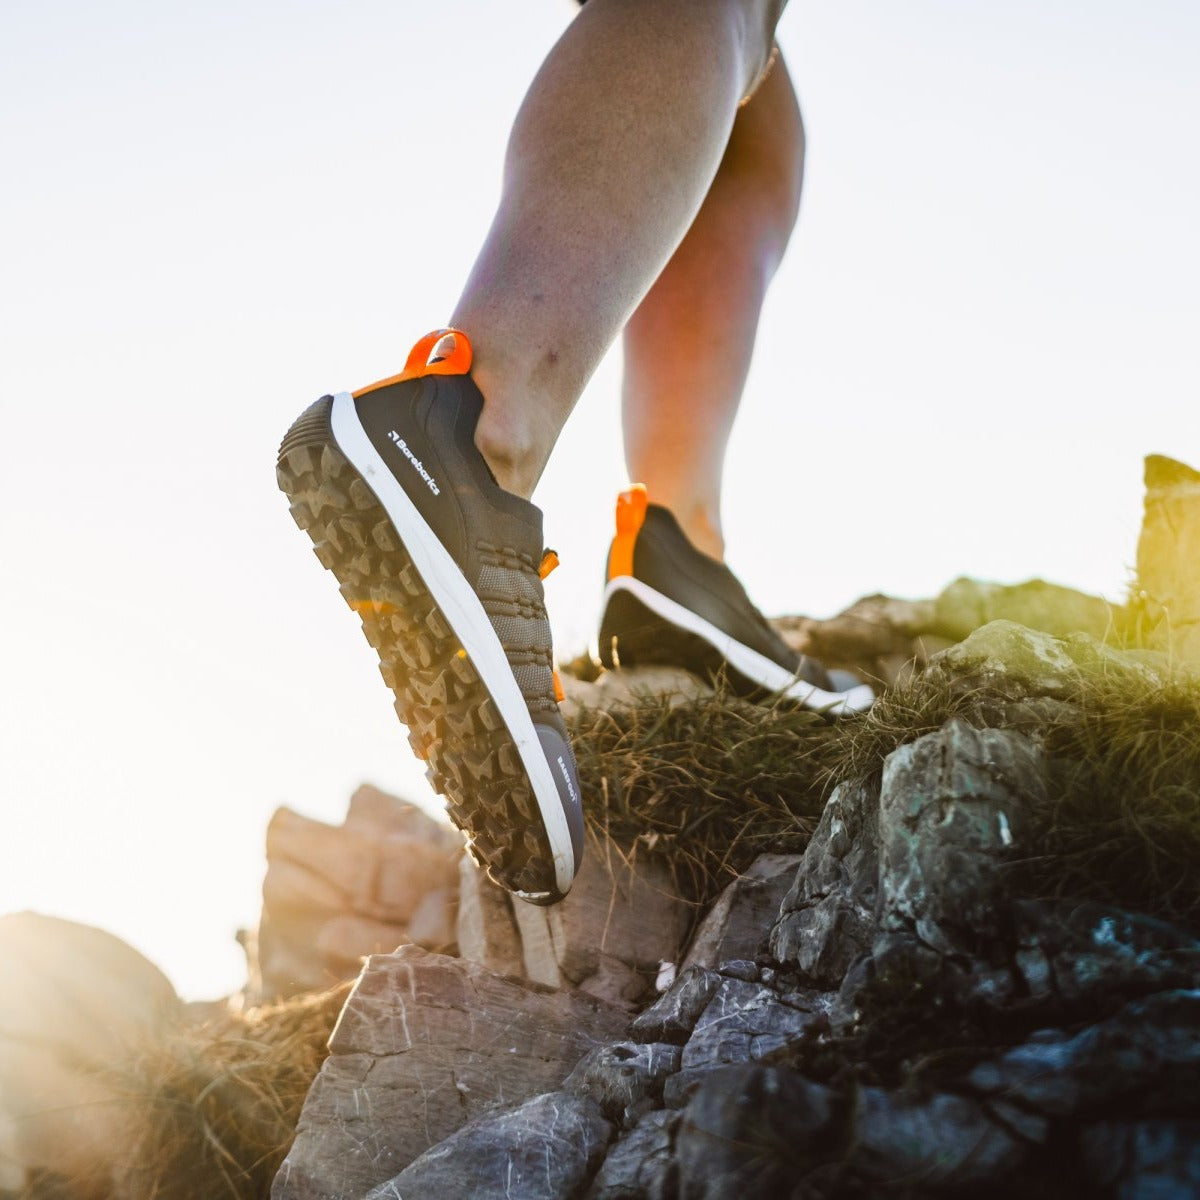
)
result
[(967, 604), (1144, 1159), (486, 930), (544, 1150), (617, 909), (333, 895), (743, 1022), (630, 685), (940, 1142), (877, 637), (1076, 954), (673, 1015), (620, 1076), (618, 923), (735, 925), (1147, 1055), (76, 1006), (1010, 661), (434, 922), (827, 919), (639, 1166), (1167, 553), (752, 1132), (424, 1044), (951, 808), (538, 960)]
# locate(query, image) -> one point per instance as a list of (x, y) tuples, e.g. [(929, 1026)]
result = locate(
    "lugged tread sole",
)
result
[(453, 724)]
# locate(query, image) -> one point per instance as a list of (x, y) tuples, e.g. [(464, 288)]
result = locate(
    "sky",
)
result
[(212, 214)]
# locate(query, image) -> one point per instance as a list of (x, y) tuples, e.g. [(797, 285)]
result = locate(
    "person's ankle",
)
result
[(512, 468)]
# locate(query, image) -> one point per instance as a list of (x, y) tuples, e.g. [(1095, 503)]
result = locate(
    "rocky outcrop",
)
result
[(887, 640), (334, 894), (890, 1013)]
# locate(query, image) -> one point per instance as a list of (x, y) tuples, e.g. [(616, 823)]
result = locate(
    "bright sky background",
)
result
[(210, 214)]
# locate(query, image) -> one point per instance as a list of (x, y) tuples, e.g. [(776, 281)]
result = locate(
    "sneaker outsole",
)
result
[(454, 725)]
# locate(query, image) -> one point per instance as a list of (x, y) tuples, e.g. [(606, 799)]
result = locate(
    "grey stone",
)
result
[(673, 1015), (951, 809), (1144, 1160), (486, 928), (616, 982), (740, 968), (734, 927), (424, 1044), (626, 909), (1079, 952), (619, 1076), (640, 1165), (621, 919), (743, 1022), (751, 1131), (544, 1150), (538, 959), (942, 1141), (827, 919), (1148, 1053)]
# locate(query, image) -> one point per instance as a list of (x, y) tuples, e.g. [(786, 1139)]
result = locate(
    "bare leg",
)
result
[(610, 158), (688, 346)]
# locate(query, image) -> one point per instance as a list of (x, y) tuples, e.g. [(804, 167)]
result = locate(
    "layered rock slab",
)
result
[(334, 894), (425, 1044), (545, 1149), (608, 937)]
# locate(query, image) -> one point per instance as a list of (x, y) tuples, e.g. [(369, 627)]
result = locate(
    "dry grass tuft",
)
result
[(216, 1105), (709, 784), (706, 785)]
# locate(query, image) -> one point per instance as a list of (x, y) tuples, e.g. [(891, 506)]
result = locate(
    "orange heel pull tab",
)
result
[(549, 562), (442, 352), (559, 694), (631, 513)]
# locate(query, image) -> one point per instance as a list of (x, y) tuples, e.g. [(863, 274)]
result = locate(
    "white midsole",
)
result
[(745, 660), (458, 601)]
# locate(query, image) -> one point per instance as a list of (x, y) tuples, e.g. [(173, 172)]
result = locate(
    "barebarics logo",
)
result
[(416, 462)]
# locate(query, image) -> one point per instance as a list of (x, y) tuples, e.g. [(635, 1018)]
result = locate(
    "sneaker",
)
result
[(444, 568), (666, 602)]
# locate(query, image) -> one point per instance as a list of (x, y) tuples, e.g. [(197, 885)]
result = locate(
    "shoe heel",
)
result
[(312, 427)]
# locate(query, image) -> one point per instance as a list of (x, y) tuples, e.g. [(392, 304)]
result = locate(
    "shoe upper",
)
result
[(424, 429), (666, 560)]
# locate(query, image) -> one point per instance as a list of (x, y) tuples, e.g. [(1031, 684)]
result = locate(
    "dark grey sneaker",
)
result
[(666, 602), (442, 566)]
